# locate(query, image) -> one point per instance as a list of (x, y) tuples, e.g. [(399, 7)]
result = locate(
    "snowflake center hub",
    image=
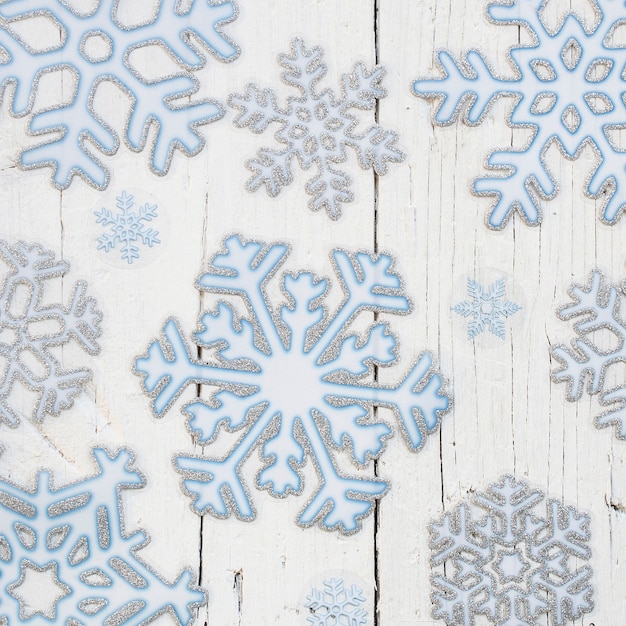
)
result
[(96, 46), (297, 383), (486, 307), (38, 590)]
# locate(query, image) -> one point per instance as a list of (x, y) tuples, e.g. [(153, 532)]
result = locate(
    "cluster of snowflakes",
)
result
[(336, 606), (292, 380), (127, 227), (595, 307), (316, 127), (486, 308), (499, 559), (31, 329), (95, 47), (66, 558), (567, 86)]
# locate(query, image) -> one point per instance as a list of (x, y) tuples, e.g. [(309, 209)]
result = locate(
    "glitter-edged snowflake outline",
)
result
[(295, 380), (96, 47), (316, 128), (582, 113), (510, 563), (336, 605), (78, 531), (127, 227), (30, 266), (486, 308), (595, 307)]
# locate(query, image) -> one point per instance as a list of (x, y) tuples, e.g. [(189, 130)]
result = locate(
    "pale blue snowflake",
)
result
[(127, 227), (66, 558), (315, 128), (336, 605), (96, 47), (567, 87), (292, 380), (486, 308), (497, 557)]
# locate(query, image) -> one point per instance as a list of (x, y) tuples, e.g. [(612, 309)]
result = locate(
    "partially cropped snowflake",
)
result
[(66, 558), (567, 86), (336, 606), (486, 307), (510, 565), (96, 47), (600, 343), (127, 227), (316, 128), (292, 379), (31, 329)]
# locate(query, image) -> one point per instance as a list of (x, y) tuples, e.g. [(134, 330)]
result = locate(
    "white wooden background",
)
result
[(507, 415)]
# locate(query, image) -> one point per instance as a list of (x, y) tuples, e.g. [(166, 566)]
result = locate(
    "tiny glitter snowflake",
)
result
[(65, 556), (95, 47), (127, 227), (512, 565), (293, 380), (316, 128), (595, 307), (336, 606), (567, 88), (486, 307), (30, 330)]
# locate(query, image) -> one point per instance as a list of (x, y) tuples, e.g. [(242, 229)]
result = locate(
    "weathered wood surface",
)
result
[(507, 416)]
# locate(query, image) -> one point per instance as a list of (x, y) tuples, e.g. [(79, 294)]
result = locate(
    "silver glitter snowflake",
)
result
[(511, 565), (316, 128), (486, 307), (336, 605), (31, 329), (595, 307)]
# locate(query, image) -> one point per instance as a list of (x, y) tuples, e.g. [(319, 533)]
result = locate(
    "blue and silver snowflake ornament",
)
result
[(292, 380), (33, 331), (567, 87), (127, 227), (587, 363), (95, 47), (336, 606), (497, 557), (66, 558), (315, 128), (486, 308)]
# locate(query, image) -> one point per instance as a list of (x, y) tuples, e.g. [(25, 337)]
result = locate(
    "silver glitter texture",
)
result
[(510, 565), (316, 128), (31, 329)]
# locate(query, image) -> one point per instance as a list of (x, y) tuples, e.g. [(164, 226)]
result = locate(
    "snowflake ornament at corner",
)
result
[(486, 307), (316, 127), (95, 47), (66, 558), (292, 380), (31, 329), (511, 565), (127, 227), (336, 605), (586, 364), (567, 88)]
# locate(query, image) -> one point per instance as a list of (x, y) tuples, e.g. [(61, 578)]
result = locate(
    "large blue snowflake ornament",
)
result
[(292, 380), (486, 308), (66, 558), (127, 227), (96, 47), (567, 88), (315, 128)]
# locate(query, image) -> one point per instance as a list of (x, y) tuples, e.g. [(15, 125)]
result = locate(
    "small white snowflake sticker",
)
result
[(316, 127), (585, 365), (336, 605), (292, 380), (497, 557), (31, 330)]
